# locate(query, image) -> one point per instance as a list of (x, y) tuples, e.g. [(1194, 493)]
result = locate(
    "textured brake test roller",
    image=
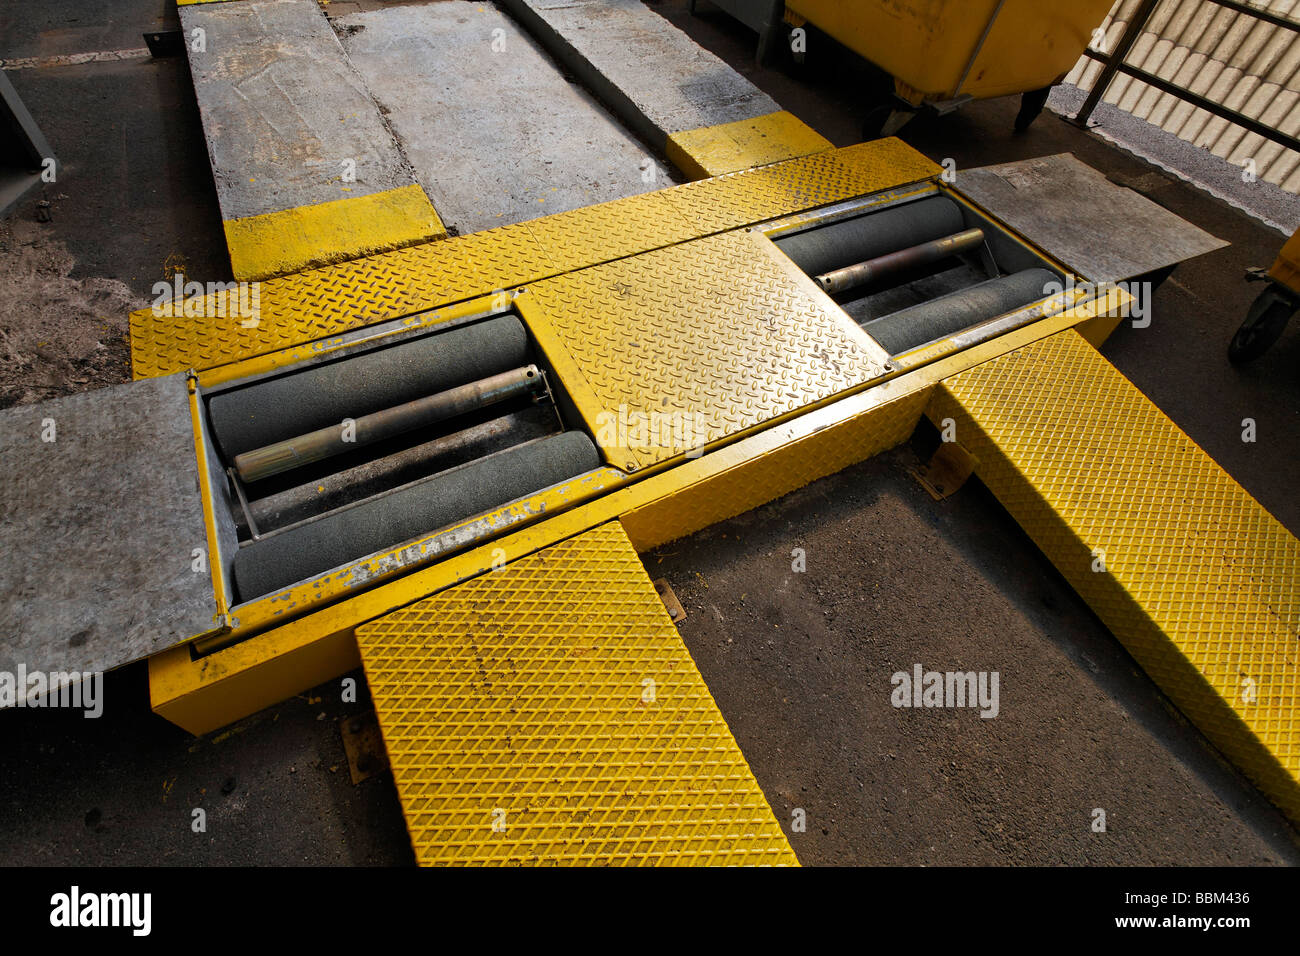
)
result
[(959, 310), (267, 412), (841, 244), (351, 533)]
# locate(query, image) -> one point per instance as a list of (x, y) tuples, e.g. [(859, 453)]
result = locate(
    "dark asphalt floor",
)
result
[(799, 663)]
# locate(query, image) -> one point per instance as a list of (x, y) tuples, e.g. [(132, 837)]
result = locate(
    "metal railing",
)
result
[(1115, 63)]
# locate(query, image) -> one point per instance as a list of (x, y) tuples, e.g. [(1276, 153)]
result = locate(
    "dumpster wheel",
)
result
[(1265, 321)]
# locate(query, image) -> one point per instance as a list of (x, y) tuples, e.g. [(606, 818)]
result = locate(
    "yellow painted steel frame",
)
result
[(277, 608), (747, 373), (210, 331), (203, 693)]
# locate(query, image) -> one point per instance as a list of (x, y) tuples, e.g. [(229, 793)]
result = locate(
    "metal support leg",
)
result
[(1126, 41)]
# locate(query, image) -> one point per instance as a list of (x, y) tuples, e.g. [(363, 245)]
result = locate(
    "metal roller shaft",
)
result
[(340, 438), (892, 263), (367, 479), (308, 550), (827, 248), (264, 413), (959, 310)]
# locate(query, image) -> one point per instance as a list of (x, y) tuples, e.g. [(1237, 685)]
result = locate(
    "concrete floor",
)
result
[(799, 663)]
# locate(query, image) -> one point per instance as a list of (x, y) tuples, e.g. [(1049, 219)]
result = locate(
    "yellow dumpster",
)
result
[(943, 52), (1272, 309)]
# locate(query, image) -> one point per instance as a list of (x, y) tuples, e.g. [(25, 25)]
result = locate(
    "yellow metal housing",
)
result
[(202, 692)]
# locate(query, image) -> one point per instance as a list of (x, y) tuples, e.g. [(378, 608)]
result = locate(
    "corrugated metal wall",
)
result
[(1224, 55)]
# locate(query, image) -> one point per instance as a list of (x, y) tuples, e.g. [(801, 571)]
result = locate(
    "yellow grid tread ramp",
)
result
[(547, 712), (339, 298), (1198, 581)]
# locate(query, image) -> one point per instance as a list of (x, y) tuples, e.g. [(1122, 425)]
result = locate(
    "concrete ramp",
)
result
[(306, 169), (705, 116), (494, 132)]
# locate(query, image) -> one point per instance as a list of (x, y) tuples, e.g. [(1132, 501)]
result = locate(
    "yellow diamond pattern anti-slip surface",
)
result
[(548, 712), (1199, 581), (686, 345), (338, 298)]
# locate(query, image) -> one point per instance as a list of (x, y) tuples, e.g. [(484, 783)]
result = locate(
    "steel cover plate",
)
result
[(1104, 232), (684, 346), (100, 528), (548, 712)]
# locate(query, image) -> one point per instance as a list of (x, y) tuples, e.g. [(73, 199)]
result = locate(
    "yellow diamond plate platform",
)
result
[(686, 345), (212, 331), (1199, 582), (548, 712)]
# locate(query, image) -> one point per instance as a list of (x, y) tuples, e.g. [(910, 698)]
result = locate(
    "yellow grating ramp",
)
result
[(1199, 582), (549, 713)]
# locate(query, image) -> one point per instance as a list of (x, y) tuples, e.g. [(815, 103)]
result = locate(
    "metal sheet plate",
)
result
[(1104, 232), (548, 712), (99, 529), (683, 346)]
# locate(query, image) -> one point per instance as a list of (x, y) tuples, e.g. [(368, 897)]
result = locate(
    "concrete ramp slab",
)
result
[(677, 96), (306, 169), (493, 131)]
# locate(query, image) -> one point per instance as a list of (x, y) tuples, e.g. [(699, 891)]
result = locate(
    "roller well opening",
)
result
[(325, 464), (920, 271)]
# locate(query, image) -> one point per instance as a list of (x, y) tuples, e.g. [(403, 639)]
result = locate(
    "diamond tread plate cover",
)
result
[(686, 345), (1199, 582), (548, 712), (338, 298)]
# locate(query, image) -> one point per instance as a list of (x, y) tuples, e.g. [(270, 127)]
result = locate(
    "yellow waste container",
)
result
[(1273, 308), (940, 50)]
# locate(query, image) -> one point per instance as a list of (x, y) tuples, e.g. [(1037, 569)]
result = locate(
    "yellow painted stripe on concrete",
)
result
[(744, 144), (1194, 577), (280, 243)]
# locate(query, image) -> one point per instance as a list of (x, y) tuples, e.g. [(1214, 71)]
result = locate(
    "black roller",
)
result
[(267, 412), (310, 549), (841, 244), (959, 310)]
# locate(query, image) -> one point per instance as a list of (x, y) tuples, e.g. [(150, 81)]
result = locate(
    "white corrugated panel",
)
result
[(1226, 56)]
